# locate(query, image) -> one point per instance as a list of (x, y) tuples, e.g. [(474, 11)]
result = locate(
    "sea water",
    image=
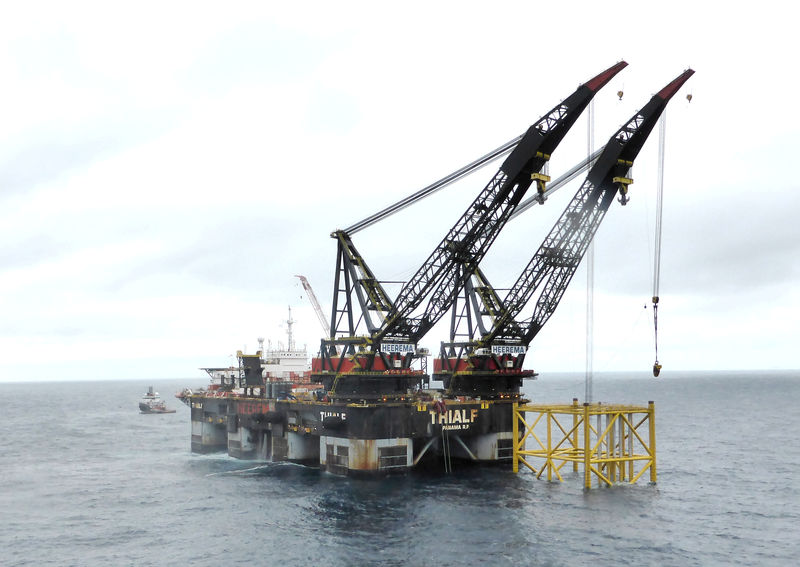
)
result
[(88, 480)]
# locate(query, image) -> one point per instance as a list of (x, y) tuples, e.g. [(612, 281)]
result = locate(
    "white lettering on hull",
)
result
[(454, 419), (324, 414)]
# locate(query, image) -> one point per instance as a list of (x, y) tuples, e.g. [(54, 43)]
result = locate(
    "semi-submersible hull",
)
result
[(354, 438)]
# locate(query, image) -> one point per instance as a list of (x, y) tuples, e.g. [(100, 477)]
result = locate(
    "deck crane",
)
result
[(315, 304), (359, 371), (491, 365)]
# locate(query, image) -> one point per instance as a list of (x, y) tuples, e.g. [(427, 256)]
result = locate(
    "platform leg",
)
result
[(575, 432), (515, 436), (587, 448), (651, 417)]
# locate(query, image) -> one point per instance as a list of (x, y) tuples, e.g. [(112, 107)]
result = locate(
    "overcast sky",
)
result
[(167, 168)]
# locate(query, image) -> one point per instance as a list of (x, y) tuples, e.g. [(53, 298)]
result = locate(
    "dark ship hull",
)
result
[(354, 439), (144, 408)]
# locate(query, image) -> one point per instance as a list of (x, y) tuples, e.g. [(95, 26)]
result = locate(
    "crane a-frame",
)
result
[(377, 364), (491, 365)]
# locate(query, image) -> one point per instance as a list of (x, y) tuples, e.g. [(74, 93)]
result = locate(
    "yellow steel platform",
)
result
[(610, 440)]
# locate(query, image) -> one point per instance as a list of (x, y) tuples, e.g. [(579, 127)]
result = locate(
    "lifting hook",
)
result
[(622, 183), (541, 180), (656, 365)]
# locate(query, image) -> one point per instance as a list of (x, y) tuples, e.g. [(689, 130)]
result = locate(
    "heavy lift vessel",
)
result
[(375, 413)]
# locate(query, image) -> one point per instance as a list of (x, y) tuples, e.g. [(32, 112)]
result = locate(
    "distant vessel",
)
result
[(151, 402)]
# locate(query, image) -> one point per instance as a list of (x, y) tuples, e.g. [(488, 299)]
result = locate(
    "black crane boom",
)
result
[(468, 241), (557, 259)]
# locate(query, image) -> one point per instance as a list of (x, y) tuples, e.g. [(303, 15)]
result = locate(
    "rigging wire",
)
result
[(589, 278), (662, 127), (495, 154)]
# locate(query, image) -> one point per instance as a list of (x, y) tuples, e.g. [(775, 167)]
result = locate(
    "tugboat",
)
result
[(151, 402)]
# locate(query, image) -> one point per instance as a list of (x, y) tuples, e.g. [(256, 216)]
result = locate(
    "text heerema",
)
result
[(396, 347), (508, 349)]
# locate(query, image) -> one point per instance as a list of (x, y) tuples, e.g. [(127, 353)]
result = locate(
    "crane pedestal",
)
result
[(383, 386), (615, 443), (483, 385)]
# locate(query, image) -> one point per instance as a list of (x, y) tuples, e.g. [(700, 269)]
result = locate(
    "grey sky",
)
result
[(166, 170)]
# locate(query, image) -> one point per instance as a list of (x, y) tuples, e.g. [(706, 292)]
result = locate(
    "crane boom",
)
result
[(557, 259), (378, 364), (492, 365), (315, 304), (469, 240)]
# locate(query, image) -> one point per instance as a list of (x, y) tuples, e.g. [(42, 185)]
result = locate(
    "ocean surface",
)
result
[(87, 480)]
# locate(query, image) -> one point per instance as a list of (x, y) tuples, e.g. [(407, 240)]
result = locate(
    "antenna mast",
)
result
[(289, 323)]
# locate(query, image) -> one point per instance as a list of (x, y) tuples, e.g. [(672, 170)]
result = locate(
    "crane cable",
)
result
[(588, 394), (662, 126)]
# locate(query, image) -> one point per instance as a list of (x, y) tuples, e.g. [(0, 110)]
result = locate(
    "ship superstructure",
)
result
[(283, 363)]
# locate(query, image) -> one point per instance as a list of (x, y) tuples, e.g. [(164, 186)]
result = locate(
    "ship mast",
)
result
[(289, 323)]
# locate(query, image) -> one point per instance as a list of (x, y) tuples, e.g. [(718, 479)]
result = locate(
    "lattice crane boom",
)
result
[(315, 304), (469, 240), (359, 297), (557, 259), (490, 366)]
